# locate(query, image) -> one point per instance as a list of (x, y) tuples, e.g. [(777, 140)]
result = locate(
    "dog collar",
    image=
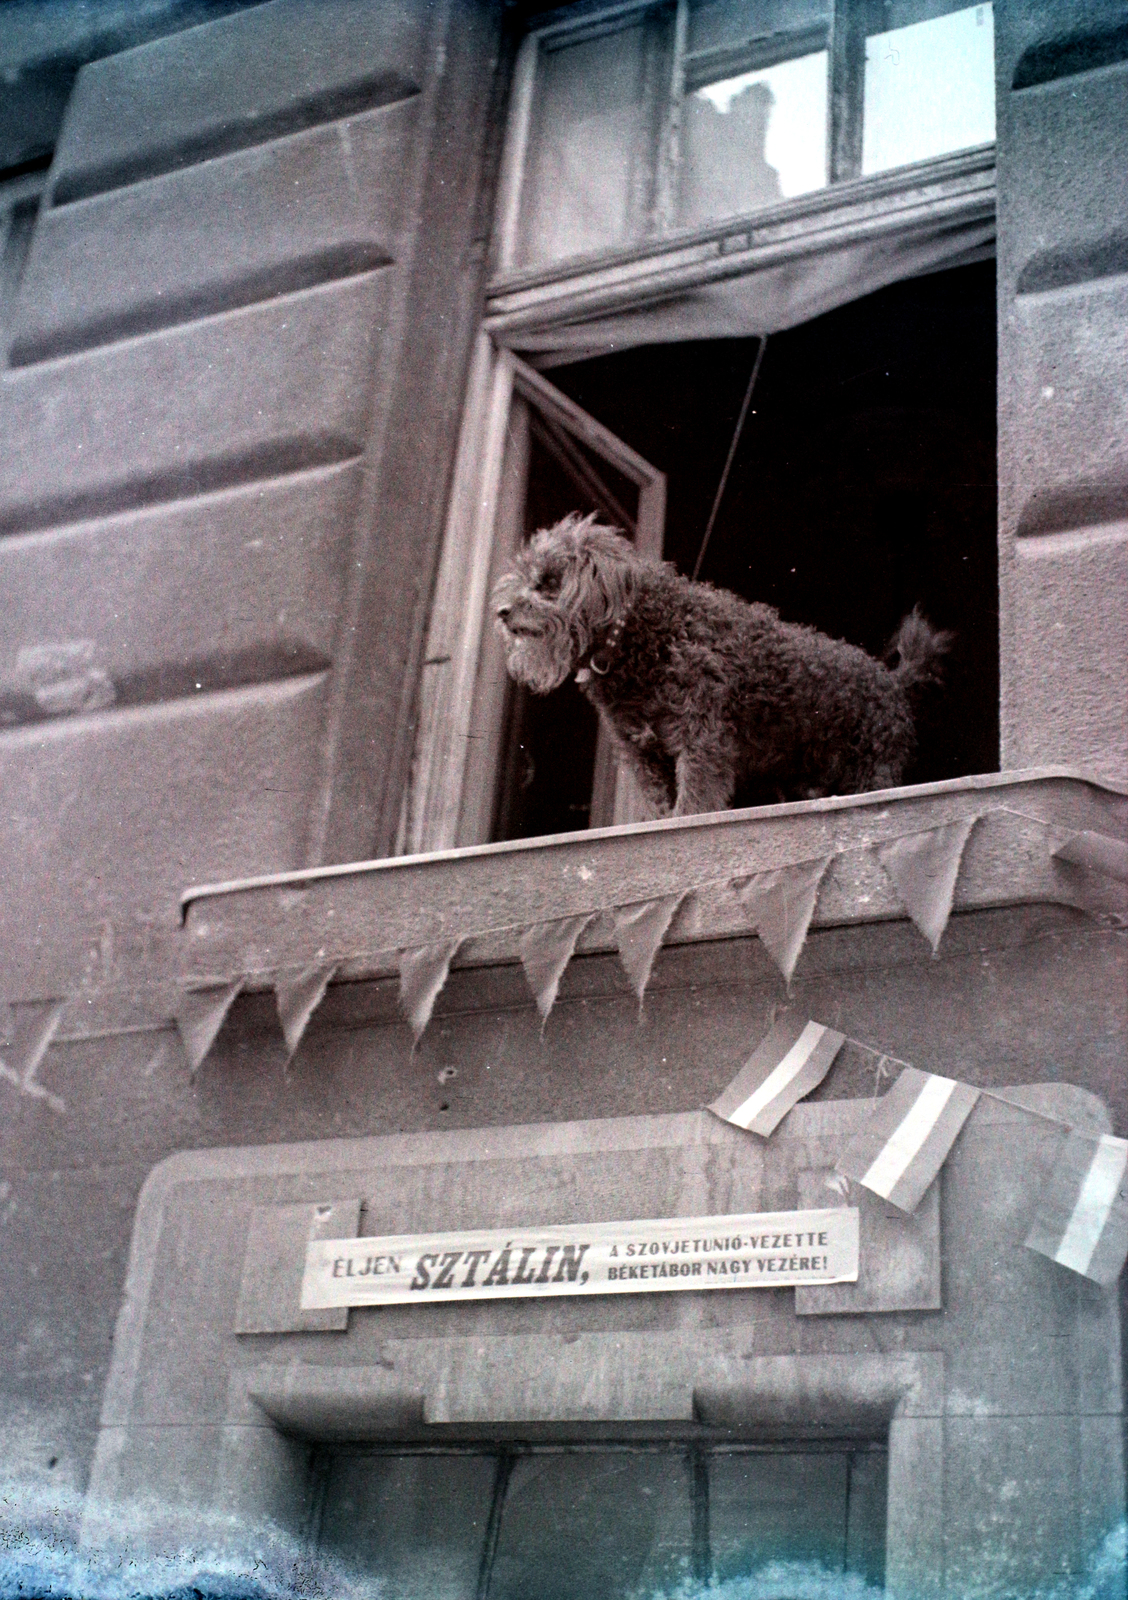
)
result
[(600, 658)]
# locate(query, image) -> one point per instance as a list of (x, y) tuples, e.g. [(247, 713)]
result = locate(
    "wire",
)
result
[(731, 454)]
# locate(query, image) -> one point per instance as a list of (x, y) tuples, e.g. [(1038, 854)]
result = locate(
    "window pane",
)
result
[(865, 1532), (769, 1507), (589, 173), (727, 24), (929, 89), (416, 1524), (594, 1526), (754, 139)]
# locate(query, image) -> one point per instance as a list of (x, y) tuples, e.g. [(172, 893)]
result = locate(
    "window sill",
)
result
[(360, 915)]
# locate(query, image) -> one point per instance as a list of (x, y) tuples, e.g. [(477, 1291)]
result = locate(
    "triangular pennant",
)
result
[(1082, 1222), (423, 971), (639, 931), (923, 868), (297, 999), (34, 1024), (546, 949), (906, 1141), (780, 904), (200, 1014), (1098, 852), (794, 1059)]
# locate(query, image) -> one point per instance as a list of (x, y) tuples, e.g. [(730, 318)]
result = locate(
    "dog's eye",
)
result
[(549, 584)]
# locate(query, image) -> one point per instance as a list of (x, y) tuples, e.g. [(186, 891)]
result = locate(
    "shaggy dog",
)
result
[(708, 697)]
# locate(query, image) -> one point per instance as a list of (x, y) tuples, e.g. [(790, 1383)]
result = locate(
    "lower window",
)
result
[(617, 1522)]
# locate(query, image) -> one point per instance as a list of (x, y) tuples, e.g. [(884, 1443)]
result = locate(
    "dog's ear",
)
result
[(612, 565)]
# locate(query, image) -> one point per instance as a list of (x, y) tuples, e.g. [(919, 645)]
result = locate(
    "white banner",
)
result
[(767, 1250)]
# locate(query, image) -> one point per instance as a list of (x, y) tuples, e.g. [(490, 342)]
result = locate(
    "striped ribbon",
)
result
[(903, 1145), (794, 1059)]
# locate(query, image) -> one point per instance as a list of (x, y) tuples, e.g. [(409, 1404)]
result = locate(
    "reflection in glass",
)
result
[(599, 1526), (765, 1508), (929, 89), (589, 172), (752, 140), (736, 24), (415, 1523)]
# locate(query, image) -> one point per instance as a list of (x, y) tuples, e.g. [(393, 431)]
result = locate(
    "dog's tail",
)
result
[(917, 650)]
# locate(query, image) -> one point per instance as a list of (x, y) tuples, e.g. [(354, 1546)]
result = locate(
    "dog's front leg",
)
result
[(705, 783), (654, 774)]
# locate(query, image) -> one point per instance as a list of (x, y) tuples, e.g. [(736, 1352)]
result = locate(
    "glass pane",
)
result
[(728, 24), (929, 89), (589, 170), (415, 1524), (594, 1527), (752, 140), (865, 1533), (765, 1508)]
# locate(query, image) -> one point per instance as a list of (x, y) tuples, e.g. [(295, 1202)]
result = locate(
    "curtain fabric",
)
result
[(772, 299)]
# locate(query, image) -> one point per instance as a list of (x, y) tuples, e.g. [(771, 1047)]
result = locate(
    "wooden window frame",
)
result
[(463, 690), (843, 37), (449, 799)]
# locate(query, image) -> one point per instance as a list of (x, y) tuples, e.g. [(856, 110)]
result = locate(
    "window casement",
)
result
[(705, 170), (618, 1519)]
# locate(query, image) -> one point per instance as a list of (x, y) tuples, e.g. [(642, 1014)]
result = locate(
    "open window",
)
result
[(554, 765), (681, 182)]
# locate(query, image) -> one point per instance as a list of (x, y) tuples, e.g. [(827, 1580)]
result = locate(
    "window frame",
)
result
[(696, 1448), (444, 804), (843, 36), (454, 777)]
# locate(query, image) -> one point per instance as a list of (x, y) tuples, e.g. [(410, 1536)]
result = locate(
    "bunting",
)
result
[(423, 972), (297, 999), (639, 931), (199, 1016), (1098, 852), (1082, 1223), (794, 1059), (923, 868), (546, 949), (780, 904), (34, 1025), (904, 1144)]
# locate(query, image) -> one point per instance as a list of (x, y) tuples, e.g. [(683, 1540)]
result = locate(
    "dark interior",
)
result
[(863, 484)]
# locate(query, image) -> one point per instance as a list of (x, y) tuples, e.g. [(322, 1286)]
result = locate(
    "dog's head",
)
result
[(570, 585)]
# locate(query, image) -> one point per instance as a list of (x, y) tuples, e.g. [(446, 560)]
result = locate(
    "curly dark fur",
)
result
[(708, 696)]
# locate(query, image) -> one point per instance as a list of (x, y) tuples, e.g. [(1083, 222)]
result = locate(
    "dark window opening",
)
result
[(864, 484), (600, 1522)]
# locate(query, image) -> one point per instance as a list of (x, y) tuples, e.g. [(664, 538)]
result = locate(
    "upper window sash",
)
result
[(705, 114)]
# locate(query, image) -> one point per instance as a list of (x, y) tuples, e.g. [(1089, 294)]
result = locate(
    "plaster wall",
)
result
[(1027, 994)]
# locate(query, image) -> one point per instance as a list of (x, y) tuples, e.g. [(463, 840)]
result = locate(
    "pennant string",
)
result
[(423, 972), (297, 999), (780, 904), (639, 931), (199, 1017), (923, 868), (546, 949)]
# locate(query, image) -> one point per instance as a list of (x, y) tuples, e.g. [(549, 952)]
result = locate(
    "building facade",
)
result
[(311, 313)]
